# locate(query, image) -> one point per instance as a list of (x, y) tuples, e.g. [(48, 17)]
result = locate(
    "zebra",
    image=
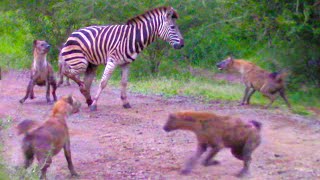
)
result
[(116, 45)]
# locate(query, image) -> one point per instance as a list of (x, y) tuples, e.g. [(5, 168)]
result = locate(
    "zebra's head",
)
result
[(169, 30)]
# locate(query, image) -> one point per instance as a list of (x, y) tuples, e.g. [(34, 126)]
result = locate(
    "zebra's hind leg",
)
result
[(80, 83), (103, 83), (88, 78), (124, 82)]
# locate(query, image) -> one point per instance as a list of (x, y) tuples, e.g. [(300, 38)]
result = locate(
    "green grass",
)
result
[(7, 171), (207, 90), (3, 173)]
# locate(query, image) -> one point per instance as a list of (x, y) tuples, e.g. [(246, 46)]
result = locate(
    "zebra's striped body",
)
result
[(116, 45)]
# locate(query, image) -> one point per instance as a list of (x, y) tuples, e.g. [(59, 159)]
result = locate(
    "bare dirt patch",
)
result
[(117, 143)]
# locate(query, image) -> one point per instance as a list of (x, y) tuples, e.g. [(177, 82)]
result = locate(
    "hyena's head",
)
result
[(66, 105), (74, 102), (172, 123), (41, 47), (225, 64), (179, 120)]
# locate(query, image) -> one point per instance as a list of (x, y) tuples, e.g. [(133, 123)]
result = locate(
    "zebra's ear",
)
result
[(169, 13), (172, 13)]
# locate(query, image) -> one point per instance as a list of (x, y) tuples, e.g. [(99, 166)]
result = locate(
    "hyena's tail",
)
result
[(279, 76), (25, 126), (256, 124)]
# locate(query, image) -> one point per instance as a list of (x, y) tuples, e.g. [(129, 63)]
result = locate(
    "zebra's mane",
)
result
[(147, 14)]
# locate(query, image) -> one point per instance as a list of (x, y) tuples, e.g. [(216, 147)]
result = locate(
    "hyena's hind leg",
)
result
[(28, 153), (244, 153), (283, 95), (272, 98), (45, 161)]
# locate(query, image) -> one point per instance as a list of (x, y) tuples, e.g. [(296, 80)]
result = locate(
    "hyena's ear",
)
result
[(35, 43), (172, 116), (70, 99), (231, 57)]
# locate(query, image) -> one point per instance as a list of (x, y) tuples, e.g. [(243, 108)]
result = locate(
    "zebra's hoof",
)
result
[(89, 102), (127, 106), (93, 107)]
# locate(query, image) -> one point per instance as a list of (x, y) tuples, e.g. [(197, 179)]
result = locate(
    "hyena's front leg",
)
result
[(67, 154), (124, 82), (103, 83), (251, 92), (245, 95), (32, 92), (29, 89), (48, 91), (193, 160)]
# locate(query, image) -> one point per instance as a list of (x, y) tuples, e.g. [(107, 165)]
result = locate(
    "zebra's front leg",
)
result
[(124, 82), (103, 83)]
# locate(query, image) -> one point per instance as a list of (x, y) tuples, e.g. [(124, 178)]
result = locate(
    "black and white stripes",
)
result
[(117, 45)]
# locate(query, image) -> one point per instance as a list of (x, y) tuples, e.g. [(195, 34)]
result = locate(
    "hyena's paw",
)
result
[(185, 171), (21, 101), (127, 106), (210, 163)]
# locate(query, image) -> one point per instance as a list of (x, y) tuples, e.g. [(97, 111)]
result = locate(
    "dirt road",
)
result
[(117, 143)]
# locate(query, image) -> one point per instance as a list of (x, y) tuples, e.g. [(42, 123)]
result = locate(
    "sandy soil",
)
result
[(117, 143)]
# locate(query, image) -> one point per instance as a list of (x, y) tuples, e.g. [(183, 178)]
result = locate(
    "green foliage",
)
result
[(15, 40), (276, 35), (5, 122)]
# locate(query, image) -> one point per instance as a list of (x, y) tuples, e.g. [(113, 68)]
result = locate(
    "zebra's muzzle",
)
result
[(179, 45)]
